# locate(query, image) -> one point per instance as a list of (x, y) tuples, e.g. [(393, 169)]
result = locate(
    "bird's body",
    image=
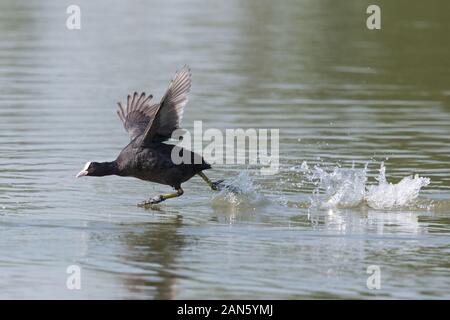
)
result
[(154, 163), (147, 156)]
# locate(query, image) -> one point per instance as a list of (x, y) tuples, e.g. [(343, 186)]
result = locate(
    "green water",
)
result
[(340, 94)]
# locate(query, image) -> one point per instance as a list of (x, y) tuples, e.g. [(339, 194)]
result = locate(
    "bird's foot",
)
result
[(154, 200), (222, 185), (216, 185)]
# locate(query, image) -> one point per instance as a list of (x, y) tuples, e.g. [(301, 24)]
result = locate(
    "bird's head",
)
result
[(98, 169), (89, 169)]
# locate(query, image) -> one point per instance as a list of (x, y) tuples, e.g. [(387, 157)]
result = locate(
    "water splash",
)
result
[(249, 196), (387, 195), (341, 187), (348, 187)]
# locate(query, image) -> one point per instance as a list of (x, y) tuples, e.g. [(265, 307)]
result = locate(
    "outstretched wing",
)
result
[(138, 113), (169, 112)]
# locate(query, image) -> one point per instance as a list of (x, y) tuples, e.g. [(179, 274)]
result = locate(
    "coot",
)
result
[(147, 157)]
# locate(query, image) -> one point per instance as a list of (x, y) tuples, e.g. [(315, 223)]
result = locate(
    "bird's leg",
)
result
[(162, 197), (213, 185)]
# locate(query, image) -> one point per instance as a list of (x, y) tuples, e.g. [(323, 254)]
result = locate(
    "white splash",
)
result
[(247, 197), (387, 195), (347, 187)]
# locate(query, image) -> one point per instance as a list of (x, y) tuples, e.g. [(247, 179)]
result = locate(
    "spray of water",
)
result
[(387, 195), (248, 197), (334, 187), (349, 187)]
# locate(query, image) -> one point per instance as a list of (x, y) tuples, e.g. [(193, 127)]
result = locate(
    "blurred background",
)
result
[(341, 95)]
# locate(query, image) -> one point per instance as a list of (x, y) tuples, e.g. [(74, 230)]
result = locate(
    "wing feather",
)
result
[(169, 112), (156, 121), (138, 113)]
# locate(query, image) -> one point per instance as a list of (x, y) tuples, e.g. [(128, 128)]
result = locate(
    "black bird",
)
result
[(147, 157)]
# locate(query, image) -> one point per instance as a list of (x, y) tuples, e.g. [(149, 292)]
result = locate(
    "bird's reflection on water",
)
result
[(153, 248)]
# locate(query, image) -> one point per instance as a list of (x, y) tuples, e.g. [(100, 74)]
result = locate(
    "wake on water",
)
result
[(335, 188)]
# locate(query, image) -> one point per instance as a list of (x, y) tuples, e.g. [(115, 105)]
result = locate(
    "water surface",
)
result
[(342, 96)]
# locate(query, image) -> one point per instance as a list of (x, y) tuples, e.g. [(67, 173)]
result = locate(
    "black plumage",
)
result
[(149, 125)]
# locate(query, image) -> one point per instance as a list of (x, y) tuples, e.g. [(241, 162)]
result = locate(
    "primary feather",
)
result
[(156, 122)]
